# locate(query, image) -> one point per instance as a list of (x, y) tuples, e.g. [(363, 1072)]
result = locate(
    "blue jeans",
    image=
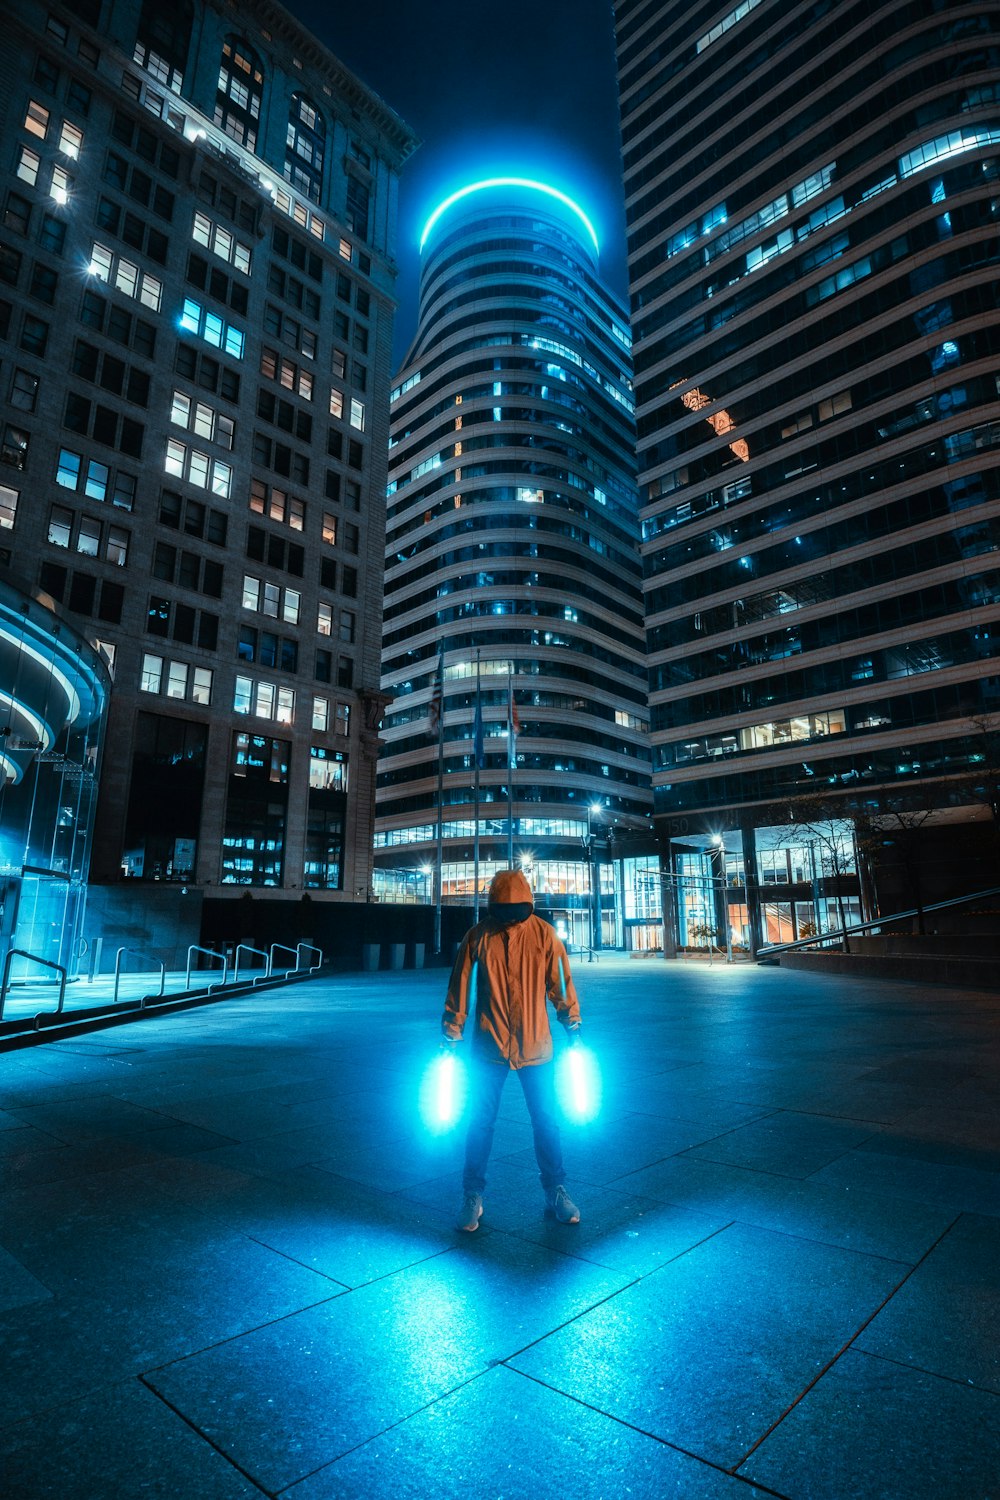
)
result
[(487, 1081)]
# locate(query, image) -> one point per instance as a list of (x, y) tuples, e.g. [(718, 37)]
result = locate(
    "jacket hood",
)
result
[(510, 888)]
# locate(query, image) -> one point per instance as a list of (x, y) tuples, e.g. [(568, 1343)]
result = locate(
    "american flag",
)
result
[(436, 715)]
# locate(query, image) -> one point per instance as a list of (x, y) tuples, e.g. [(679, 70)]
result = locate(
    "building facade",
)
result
[(512, 576), (196, 304), (54, 691), (812, 207)]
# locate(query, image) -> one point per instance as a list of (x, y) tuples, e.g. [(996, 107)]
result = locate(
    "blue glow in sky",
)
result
[(517, 182), (532, 92)]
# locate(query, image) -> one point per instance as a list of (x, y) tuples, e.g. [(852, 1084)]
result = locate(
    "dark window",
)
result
[(52, 235), (17, 213)]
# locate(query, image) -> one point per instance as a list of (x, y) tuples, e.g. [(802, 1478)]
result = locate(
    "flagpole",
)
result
[(440, 800), (477, 755), (512, 768)]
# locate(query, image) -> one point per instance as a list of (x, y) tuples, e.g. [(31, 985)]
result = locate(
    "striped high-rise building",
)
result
[(512, 560), (812, 199)]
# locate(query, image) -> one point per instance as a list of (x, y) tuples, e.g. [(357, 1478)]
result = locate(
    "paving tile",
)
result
[(875, 1223), (960, 1188), (605, 1151), (873, 1430), (122, 1442), (624, 1232), (17, 1139), (789, 1145), (118, 1316), (503, 1434), (946, 1319), (17, 1285), (710, 1350), (376, 1355), (333, 1227)]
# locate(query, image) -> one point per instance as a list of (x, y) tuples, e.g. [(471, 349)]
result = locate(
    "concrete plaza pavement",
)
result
[(228, 1267)]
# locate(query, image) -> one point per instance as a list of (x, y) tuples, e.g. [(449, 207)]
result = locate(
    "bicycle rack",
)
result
[(136, 953), (46, 963), (308, 948), (246, 948), (210, 953)]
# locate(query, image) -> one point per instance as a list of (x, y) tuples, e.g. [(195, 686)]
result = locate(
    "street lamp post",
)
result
[(724, 892), (593, 870)]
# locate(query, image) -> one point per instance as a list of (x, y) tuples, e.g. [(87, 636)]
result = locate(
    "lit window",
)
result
[(201, 685), (116, 550), (8, 507), (152, 673), (321, 714), (358, 414), (60, 526), (324, 621), (68, 470), (251, 592), (177, 677), (61, 184), (88, 537), (70, 140), (292, 606), (336, 403), (330, 528), (36, 120), (271, 600), (243, 695), (28, 163)]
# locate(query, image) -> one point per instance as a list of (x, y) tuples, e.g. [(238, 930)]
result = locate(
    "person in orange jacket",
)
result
[(508, 967)]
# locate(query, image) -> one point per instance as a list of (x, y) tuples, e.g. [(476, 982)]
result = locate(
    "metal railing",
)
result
[(210, 953), (137, 953), (301, 948), (47, 963), (282, 948), (246, 948), (837, 934)]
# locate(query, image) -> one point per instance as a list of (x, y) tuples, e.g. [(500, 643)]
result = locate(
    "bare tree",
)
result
[(823, 823), (982, 784)]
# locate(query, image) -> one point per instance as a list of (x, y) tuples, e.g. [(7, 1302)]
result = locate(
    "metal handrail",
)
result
[(137, 953), (284, 949), (34, 958), (835, 933), (211, 953), (308, 948), (246, 948)]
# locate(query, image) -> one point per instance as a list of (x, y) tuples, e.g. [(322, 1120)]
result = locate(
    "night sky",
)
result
[(518, 88)]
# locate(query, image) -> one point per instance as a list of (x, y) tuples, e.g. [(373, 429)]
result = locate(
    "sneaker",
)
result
[(559, 1202), (470, 1213)]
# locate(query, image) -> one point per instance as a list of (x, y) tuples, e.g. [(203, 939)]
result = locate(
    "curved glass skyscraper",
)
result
[(512, 561), (812, 197)]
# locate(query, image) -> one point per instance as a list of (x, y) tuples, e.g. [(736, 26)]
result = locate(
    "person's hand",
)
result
[(449, 1043), (575, 1036)]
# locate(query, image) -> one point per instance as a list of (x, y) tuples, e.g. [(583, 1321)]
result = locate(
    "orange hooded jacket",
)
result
[(506, 971)]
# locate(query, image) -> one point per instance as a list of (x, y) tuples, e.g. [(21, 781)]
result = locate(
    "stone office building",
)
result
[(196, 305)]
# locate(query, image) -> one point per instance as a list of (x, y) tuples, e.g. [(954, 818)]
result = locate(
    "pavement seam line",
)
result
[(833, 1360), (654, 1437), (205, 1437)]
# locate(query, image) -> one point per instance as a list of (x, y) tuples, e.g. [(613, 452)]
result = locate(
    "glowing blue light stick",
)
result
[(578, 1084), (442, 1092)]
